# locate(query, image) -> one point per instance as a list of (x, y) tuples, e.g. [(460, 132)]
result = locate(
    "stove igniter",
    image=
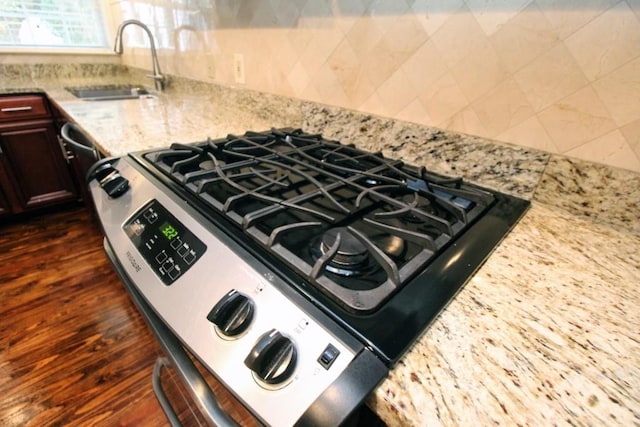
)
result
[(232, 315), (272, 360)]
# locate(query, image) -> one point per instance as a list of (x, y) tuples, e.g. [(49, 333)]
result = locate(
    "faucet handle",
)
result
[(159, 81)]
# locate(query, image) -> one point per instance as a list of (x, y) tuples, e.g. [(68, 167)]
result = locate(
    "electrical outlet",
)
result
[(238, 67)]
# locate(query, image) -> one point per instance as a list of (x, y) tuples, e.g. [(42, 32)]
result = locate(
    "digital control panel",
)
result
[(167, 245)]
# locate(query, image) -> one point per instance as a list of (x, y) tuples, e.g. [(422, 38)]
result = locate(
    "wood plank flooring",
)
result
[(73, 348)]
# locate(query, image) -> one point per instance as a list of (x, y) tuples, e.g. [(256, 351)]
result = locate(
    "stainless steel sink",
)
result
[(109, 92)]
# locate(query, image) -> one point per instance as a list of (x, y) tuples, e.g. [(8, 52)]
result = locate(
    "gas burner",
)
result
[(351, 253), (207, 165)]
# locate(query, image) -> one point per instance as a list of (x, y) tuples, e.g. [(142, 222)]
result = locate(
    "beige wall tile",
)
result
[(396, 93), (298, 79), (480, 71), (424, 67), (458, 35), (416, 113), (567, 16), (360, 90), (224, 72), (322, 44), (576, 119), (432, 62), (631, 133), (349, 72), (328, 86), (493, 14), (374, 105), (611, 148), (607, 42), (502, 108), (280, 50), (523, 38), (620, 92), (444, 99), (402, 38), (298, 38), (466, 121), (311, 93), (550, 77), (364, 35), (347, 12), (432, 14), (529, 133)]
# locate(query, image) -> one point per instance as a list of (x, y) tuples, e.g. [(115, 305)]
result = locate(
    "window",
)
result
[(52, 24)]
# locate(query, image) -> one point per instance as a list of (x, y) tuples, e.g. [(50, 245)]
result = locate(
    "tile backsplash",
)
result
[(558, 75)]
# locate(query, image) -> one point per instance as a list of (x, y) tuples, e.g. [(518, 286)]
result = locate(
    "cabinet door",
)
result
[(34, 163), (5, 207)]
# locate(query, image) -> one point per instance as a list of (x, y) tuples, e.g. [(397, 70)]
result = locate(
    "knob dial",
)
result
[(232, 315), (110, 180), (273, 358)]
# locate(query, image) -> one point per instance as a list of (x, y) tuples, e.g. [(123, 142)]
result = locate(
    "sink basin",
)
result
[(108, 92)]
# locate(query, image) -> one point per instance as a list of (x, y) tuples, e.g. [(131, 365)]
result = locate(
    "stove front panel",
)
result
[(287, 350)]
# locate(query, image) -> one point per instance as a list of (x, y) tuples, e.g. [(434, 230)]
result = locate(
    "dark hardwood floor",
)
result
[(73, 348)]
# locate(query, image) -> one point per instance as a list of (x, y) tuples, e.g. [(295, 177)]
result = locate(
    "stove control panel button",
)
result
[(328, 356), (166, 244), (272, 359), (232, 315)]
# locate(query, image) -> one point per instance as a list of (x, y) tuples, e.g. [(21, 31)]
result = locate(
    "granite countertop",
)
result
[(548, 329), (187, 111)]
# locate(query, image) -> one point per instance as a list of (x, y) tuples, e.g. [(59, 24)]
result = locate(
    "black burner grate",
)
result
[(355, 224)]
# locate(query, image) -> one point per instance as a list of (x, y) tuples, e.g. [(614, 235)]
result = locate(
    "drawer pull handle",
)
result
[(14, 109)]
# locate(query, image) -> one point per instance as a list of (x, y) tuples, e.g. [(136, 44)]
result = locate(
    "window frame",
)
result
[(108, 20)]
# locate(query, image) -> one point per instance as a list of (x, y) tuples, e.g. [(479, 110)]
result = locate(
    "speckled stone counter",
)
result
[(187, 111), (545, 333)]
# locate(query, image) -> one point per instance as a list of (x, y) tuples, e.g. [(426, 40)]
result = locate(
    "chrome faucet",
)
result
[(159, 80)]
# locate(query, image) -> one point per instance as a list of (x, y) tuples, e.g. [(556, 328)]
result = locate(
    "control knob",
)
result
[(232, 315), (110, 180), (273, 358)]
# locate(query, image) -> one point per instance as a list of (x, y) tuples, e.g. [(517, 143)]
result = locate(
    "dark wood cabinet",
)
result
[(34, 172), (5, 207)]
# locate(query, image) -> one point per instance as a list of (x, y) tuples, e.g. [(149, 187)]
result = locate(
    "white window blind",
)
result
[(52, 23)]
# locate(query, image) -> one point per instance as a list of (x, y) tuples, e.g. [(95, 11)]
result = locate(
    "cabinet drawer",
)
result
[(22, 107)]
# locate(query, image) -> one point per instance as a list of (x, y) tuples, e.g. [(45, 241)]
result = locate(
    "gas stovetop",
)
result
[(295, 268), (372, 241)]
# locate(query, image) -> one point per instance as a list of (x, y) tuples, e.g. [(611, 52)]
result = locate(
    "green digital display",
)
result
[(168, 231)]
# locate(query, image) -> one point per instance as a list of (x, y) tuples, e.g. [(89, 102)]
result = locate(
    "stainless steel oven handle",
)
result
[(179, 360), (161, 362)]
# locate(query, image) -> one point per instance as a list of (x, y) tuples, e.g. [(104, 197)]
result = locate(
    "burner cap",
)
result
[(207, 165), (351, 251)]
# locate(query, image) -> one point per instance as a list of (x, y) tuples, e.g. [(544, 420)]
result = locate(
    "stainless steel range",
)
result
[(296, 269)]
